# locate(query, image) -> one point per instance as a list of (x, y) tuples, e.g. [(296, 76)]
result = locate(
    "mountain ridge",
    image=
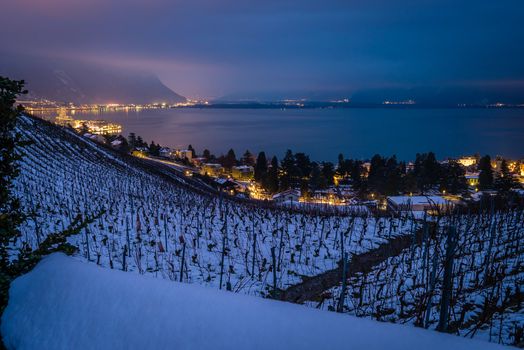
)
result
[(66, 81)]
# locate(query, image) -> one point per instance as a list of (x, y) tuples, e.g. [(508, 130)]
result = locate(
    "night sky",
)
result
[(216, 48)]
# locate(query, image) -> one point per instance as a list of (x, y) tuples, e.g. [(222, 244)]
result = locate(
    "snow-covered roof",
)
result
[(224, 181), (291, 192)]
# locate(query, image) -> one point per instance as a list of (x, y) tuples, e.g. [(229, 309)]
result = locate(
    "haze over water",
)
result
[(324, 133)]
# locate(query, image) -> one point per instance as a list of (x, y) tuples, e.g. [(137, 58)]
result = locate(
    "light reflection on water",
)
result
[(324, 133)]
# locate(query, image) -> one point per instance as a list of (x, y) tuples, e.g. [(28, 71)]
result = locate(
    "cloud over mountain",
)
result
[(82, 82)]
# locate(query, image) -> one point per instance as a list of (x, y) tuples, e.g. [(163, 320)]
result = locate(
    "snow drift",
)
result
[(67, 304)]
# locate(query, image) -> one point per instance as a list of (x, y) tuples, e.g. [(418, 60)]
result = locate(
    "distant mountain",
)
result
[(80, 82), (266, 96), (438, 96), (442, 96)]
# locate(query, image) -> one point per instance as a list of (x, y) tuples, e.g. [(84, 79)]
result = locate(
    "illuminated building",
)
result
[(183, 154), (211, 169), (472, 179), (467, 161), (99, 127), (243, 172), (288, 196), (95, 127), (496, 164)]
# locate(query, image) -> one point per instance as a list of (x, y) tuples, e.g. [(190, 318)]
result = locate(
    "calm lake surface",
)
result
[(324, 133)]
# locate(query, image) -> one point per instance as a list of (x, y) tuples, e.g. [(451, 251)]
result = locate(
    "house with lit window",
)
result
[(243, 172), (211, 169), (288, 196), (472, 179), (165, 152), (183, 154)]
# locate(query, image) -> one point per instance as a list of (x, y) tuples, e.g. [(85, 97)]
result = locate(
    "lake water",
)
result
[(324, 133)]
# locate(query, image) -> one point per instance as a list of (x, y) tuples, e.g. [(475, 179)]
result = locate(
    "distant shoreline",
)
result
[(327, 105)]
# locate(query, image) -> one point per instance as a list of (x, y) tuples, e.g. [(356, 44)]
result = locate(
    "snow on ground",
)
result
[(67, 304), (488, 278), (147, 218)]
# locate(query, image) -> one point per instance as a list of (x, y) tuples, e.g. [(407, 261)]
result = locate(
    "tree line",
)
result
[(381, 175)]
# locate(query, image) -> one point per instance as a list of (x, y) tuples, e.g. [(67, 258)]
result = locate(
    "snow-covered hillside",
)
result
[(148, 220), (156, 225), (488, 280), (66, 304)]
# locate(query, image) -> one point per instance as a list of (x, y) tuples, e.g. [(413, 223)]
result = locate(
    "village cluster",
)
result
[(240, 180)]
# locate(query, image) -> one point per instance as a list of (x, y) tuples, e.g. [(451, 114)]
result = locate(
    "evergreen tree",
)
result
[(261, 167), (426, 171), (505, 180), (270, 182), (193, 152), (124, 146), (140, 142), (132, 141), (290, 171), (328, 172), (340, 160), (356, 175), (316, 182), (247, 159), (453, 178), (206, 155), (393, 177), (486, 173), (409, 183), (376, 176), (154, 149), (303, 165), (230, 160), (348, 167)]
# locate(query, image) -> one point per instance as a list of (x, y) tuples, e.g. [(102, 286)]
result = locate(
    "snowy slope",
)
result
[(147, 217), (488, 281), (156, 226), (67, 304)]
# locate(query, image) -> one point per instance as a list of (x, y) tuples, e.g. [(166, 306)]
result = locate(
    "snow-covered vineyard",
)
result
[(487, 280), (151, 225), (154, 226)]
